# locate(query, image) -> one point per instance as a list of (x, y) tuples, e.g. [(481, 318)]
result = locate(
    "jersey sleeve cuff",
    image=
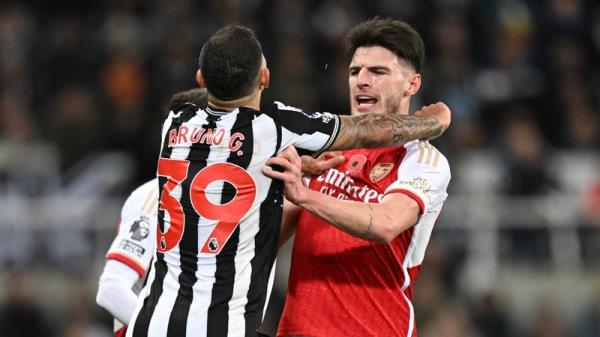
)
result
[(416, 197), (128, 261), (334, 135)]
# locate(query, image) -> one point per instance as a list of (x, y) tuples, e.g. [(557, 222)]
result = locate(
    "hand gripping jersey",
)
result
[(135, 242), (219, 218), (341, 285)]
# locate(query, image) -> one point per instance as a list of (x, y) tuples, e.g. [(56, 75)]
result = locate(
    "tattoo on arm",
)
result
[(374, 130)]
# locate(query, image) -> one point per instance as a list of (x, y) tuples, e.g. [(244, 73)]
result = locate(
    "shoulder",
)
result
[(424, 165), (422, 153), (296, 112), (279, 110), (184, 111), (278, 105), (424, 171), (196, 96), (142, 198), (138, 214), (147, 188)]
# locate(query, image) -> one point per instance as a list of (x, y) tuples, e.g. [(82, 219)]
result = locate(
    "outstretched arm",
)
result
[(376, 130)]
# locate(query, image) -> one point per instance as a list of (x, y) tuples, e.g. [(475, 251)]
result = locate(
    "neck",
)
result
[(404, 108), (401, 108), (251, 101)]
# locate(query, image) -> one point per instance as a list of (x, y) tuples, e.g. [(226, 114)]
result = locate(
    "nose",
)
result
[(363, 78)]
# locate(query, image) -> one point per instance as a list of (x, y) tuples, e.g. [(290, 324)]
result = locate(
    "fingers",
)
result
[(311, 165), (269, 172), (444, 114), (291, 155), (426, 110), (290, 173), (289, 152), (441, 105), (308, 165), (438, 110), (323, 162), (284, 176), (283, 163), (330, 163), (329, 154)]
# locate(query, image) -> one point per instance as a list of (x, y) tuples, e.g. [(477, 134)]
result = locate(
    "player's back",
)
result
[(219, 218)]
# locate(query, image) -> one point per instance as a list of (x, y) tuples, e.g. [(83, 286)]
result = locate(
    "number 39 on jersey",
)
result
[(227, 216)]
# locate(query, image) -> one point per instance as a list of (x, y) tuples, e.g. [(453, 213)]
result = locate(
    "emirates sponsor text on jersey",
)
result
[(341, 186), (210, 136)]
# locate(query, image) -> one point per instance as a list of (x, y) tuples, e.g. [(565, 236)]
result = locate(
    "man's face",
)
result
[(379, 81)]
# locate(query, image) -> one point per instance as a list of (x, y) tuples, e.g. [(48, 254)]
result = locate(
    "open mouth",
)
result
[(365, 101)]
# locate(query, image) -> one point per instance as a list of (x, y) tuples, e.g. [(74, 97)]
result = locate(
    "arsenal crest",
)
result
[(380, 170)]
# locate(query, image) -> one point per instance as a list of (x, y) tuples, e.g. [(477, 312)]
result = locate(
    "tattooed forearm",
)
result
[(414, 127), (374, 130)]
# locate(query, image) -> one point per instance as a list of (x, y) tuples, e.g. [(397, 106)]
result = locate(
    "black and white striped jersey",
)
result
[(219, 218)]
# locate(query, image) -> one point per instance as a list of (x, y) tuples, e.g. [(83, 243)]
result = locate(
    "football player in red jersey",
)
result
[(363, 228)]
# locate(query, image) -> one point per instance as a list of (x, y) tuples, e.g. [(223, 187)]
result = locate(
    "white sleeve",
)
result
[(115, 292), (423, 175), (135, 242)]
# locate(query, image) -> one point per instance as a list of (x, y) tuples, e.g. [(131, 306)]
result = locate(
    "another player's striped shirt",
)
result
[(219, 218)]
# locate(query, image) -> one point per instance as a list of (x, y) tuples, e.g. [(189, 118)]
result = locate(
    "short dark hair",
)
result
[(196, 96), (230, 62), (396, 36)]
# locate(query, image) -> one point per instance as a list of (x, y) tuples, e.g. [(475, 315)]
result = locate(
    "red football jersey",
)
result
[(344, 286)]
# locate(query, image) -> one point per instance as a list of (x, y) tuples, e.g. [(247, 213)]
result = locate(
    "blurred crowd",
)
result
[(84, 87)]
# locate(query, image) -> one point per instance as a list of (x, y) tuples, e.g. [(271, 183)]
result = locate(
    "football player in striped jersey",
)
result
[(130, 254)]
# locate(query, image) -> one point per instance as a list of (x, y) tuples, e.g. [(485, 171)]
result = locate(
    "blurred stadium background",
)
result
[(83, 89)]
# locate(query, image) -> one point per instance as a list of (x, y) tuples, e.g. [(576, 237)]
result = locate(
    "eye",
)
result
[(353, 72)]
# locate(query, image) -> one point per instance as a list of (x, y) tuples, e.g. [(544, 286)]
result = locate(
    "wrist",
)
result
[(438, 128), (303, 196)]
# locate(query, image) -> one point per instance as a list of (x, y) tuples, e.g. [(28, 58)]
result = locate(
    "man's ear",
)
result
[(200, 79), (414, 84), (264, 78)]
